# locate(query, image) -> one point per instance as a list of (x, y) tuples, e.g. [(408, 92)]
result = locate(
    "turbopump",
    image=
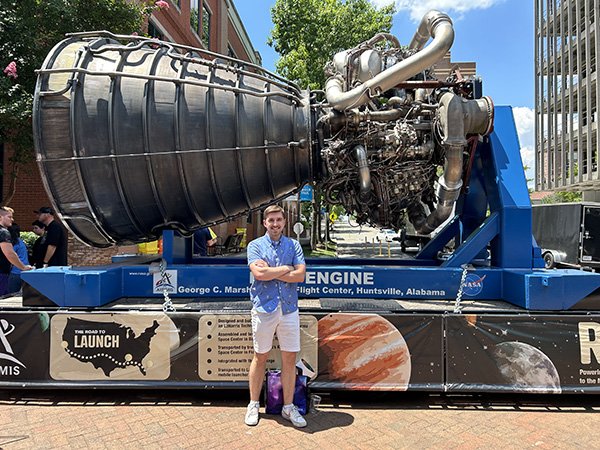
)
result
[(135, 135)]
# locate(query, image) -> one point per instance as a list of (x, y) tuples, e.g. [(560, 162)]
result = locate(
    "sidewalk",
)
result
[(215, 419), (355, 241)]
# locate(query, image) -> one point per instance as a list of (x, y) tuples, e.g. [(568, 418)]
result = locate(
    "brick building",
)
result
[(213, 25)]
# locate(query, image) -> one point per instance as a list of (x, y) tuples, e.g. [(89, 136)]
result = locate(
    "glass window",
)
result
[(205, 26), (154, 32), (195, 16)]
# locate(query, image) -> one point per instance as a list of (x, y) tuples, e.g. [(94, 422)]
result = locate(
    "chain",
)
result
[(167, 305), (459, 294)]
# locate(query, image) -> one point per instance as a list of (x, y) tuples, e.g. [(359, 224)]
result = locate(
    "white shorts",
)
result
[(264, 326)]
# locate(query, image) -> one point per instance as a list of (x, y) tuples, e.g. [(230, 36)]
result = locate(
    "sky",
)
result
[(497, 34)]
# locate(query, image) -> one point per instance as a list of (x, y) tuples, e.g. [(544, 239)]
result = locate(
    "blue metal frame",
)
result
[(492, 228)]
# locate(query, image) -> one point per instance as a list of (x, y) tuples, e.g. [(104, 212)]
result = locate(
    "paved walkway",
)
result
[(214, 419), (355, 241)]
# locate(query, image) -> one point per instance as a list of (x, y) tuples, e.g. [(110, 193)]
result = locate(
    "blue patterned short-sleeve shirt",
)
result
[(266, 295)]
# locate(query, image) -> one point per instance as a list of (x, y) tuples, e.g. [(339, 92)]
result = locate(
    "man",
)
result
[(38, 250), (277, 264), (56, 238), (202, 240), (8, 256)]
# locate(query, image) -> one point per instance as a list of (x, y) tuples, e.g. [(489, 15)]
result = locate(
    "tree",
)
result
[(308, 33), (563, 197), (28, 31)]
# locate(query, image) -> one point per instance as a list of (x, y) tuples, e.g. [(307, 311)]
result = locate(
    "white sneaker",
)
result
[(293, 416), (252, 414)]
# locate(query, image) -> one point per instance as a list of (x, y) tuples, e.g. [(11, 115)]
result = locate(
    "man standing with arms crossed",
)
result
[(277, 264)]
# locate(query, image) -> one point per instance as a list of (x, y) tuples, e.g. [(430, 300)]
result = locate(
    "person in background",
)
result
[(7, 255), (56, 238), (14, 279), (38, 250), (203, 239)]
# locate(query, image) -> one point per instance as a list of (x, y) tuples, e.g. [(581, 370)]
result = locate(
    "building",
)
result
[(566, 96), (445, 67), (213, 25)]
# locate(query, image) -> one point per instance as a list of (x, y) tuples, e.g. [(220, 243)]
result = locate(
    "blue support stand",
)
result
[(492, 231)]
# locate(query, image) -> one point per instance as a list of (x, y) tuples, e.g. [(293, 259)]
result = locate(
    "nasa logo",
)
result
[(8, 354), (170, 282), (473, 284)]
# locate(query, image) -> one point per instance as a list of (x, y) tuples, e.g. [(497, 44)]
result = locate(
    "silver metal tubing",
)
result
[(363, 172), (438, 26), (458, 117)]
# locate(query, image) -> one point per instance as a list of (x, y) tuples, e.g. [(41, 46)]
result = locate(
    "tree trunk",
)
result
[(12, 187)]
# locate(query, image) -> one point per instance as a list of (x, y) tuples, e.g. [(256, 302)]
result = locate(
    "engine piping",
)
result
[(363, 172), (434, 24), (458, 117)]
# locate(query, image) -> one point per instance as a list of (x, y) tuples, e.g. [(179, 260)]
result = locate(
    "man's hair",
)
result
[(273, 209), (37, 223), (5, 210)]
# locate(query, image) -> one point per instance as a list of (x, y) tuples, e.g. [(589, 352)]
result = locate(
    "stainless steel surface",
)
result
[(137, 137), (437, 25)]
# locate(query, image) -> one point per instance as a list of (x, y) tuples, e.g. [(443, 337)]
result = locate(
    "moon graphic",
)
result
[(364, 352), (526, 368)]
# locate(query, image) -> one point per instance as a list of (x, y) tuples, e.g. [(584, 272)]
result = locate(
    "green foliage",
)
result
[(308, 33), (28, 31), (29, 237), (563, 197)]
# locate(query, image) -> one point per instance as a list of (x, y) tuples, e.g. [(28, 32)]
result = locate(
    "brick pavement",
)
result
[(214, 419)]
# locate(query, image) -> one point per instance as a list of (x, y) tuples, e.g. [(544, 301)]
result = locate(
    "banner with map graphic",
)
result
[(111, 346)]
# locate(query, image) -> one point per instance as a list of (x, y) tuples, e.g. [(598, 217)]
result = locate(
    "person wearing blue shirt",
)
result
[(277, 265), (14, 279)]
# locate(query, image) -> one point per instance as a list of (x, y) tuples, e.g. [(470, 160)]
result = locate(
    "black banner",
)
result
[(526, 353), (358, 351)]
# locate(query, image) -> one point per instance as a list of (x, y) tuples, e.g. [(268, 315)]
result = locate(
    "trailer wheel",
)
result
[(549, 260)]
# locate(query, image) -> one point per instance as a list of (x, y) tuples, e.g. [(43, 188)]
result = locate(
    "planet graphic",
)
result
[(526, 368), (363, 352)]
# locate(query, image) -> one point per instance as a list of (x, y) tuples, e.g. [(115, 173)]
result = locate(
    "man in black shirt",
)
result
[(8, 257), (56, 238)]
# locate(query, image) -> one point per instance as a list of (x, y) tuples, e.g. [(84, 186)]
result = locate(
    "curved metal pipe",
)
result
[(437, 25), (363, 172), (458, 117), (384, 36)]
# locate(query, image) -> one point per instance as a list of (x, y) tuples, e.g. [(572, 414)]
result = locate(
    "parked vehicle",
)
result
[(568, 234), (386, 235)]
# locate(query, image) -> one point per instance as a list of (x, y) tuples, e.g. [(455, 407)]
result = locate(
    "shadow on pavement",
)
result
[(334, 405)]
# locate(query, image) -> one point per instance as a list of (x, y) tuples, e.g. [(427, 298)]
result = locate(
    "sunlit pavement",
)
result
[(151, 419), (354, 241)]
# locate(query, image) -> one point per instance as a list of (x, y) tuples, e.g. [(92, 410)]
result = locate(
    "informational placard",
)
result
[(133, 346), (225, 347)]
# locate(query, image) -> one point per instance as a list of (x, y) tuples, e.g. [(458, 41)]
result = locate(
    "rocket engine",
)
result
[(135, 135)]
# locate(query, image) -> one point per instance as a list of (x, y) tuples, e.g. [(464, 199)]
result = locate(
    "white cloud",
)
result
[(418, 8), (525, 121)]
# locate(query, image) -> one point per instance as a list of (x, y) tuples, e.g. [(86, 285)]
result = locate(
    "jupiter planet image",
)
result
[(526, 368), (363, 352)]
